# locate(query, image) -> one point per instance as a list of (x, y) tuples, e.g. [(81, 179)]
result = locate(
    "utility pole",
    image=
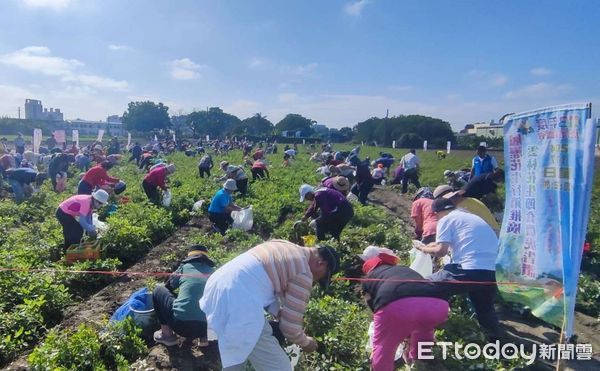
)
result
[(19, 112)]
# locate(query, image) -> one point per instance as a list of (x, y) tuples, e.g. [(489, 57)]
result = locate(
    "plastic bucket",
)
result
[(145, 318)]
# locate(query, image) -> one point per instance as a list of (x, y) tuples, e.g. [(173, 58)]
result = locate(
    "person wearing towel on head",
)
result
[(75, 215), (155, 179), (180, 314), (329, 208), (221, 206), (401, 310)]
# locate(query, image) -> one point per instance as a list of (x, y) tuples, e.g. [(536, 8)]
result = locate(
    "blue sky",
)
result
[(335, 61)]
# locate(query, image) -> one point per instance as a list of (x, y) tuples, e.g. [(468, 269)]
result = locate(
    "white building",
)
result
[(87, 127)]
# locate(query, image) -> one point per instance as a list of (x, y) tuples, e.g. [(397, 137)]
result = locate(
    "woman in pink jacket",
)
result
[(75, 215)]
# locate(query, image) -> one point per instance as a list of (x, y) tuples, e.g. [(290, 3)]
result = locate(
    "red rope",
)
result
[(203, 275)]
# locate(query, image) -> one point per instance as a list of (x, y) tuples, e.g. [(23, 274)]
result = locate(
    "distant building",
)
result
[(114, 118), (34, 110), (482, 129), (86, 127)]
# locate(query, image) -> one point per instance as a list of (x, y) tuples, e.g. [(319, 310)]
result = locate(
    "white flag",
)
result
[(37, 140), (424, 145), (483, 144), (128, 140), (394, 144), (100, 135), (448, 145), (75, 136), (207, 138)]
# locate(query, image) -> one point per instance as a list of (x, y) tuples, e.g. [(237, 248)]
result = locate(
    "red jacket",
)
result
[(97, 176), (157, 177)]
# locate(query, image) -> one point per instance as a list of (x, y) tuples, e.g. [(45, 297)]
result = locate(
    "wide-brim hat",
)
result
[(198, 252), (341, 183), (442, 190), (230, 185)]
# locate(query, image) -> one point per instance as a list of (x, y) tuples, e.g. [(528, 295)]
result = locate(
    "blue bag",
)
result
[(141, 300)]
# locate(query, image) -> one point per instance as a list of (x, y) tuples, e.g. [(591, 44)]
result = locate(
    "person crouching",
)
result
[(75, 215), (179, 314), (221, 206), (330, 208)]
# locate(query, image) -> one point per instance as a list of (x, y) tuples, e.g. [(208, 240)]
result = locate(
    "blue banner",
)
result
[(549, 161)]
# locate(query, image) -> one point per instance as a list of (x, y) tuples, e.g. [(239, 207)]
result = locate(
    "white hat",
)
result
[(100, 196), (304, 190), (447, 173), (372, 251), (171, 168), (230, 185)]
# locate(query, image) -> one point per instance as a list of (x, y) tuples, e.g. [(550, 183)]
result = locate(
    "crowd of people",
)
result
[(276, 277)]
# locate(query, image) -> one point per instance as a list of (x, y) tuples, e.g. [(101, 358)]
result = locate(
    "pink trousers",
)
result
[(415, 318)]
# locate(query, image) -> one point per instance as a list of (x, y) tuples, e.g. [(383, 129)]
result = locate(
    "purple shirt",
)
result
[(328, 183), (326, 199)]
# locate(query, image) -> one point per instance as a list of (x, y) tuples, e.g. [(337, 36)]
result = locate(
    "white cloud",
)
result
[(541, 90), (256, 63), (39, 59), (498, 80), (493, 79), (401, 88), (540, 71), (119, 47), (301, 70), (242, 108), (287, 97), (53, 4), (99, 82), (185, 69), (355, 8)]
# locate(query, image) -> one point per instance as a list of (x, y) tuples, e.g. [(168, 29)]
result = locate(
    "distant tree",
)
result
[(213, 122), (295, 122), (145, 116), (257, 125), (384, 130), (410, 140), (346, 133)]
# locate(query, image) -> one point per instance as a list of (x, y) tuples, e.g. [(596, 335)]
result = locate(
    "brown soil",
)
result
[(106, 301), (519, 328)]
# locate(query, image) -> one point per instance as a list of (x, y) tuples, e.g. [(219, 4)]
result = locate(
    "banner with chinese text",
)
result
[(549, 161)]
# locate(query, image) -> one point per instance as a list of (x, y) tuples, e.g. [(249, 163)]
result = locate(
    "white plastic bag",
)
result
[(369, 346), (420, 262), (197, 208), (167, 197), (243, 219), (293, 351), (101, 227)]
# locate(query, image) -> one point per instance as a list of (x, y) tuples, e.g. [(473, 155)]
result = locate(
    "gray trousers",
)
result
[(267, 354)]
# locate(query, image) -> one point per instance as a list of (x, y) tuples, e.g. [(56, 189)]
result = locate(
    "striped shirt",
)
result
[(286, 265)]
